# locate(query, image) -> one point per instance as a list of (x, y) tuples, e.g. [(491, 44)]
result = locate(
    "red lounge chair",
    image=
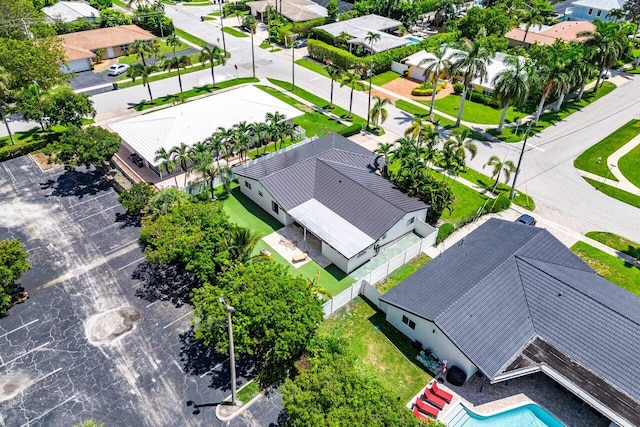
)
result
[(425, 408), (433, 399), (419, 415), (447, 397)]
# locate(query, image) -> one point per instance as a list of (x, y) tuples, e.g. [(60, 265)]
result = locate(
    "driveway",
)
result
[(87, 79), (103, 335)]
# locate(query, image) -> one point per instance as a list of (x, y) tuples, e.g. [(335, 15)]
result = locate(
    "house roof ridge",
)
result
[(308, 159)]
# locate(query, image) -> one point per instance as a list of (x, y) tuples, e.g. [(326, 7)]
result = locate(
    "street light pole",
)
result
[(294, 36), (224, 44), (232, 358), (515, 176), (370, 72)]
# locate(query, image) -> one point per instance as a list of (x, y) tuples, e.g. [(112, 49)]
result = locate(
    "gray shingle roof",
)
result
[(508, 283), (339, 174)]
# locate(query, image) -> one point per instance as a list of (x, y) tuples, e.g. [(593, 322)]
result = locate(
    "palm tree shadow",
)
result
[(405, 117)]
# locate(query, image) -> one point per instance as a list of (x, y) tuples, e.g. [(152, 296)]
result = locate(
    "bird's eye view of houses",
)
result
[(320, 213)]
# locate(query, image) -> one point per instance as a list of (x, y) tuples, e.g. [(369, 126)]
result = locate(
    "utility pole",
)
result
[(294, 36), (224, 44), (370, 72), (515, 176), (232, 358)]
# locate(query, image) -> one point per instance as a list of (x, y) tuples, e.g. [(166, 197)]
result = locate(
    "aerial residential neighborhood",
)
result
[(319, 213)]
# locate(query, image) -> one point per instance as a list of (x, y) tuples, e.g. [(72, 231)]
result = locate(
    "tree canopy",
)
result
[(136, 198), (84, 147), (13, 263), (275, 316), (65, 107)]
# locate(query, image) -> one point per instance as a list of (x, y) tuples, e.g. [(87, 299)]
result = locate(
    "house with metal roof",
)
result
[(590, 10), (69, 11), (359, 28), (330, 188), (509, 300), (293, 10)]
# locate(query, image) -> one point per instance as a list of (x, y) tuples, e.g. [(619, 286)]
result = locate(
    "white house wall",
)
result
[(360, 259), (264, 200), (431, 337), (335, 257), (401, 227)]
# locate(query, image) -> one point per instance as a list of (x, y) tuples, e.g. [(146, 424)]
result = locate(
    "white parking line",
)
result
[(45, 376), (91, 200), (181, 317), (214, 368), (177, 364), (109, 227), (18, 328), (98, 213), (115, 248), (131, 263), (13, 179), (149, 305), (44, 414), (25, 354), (315, 78)]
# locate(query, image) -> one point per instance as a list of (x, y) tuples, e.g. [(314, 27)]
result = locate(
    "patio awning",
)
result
[(330, 227)]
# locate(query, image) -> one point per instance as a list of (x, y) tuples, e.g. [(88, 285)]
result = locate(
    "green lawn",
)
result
[(380, 348), (235, 33), (384, 78), (120, 3), (197, 91), (547, 119), (613, 269), (244, 212), (272, 47), (588, 160), (402, 273), (473, 112), (20, 137), (446, 123), (164, 49), (616, 242), (467, 204), (629, 165), (623, 196), (190, 38), (248, 392), (199, 3), (314, 66), (484, 181)]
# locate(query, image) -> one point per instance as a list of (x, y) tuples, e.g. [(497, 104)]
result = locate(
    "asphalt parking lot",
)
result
[(103, 335)]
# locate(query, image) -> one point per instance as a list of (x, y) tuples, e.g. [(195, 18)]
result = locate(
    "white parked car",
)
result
[(117, 69)]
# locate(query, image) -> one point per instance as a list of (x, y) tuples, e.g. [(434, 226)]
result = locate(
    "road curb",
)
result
[(240, 409)]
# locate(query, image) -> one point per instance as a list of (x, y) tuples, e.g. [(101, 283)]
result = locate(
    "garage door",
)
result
[(77, 65)]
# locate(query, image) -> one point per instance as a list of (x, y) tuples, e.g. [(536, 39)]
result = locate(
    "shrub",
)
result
[(303, 28), (425, 90), (444, 231), (136, 198), (499, 204), (354, 129), (322, 35), (458, 88), (20, 149)]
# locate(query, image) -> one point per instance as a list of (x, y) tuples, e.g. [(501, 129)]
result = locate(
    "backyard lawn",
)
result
[(473, 112), (486, 182), (164, 49), (379, 347), (616, 242), (629, 165), (402, 273), (613, 269), (616, 193), (588, 160), (384, 78)]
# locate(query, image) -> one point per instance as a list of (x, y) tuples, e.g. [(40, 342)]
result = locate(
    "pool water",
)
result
[(413, 40), (529, 415)]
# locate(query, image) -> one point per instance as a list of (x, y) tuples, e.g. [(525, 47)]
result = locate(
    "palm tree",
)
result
[(168, 164), (547, 71), (5, 82), (351, 80), (139, 3), (216, 142), (607, 43), (212, 54), (472, 60), (249, 22), (173, 41), (335, 73), (382, 152), (581, 68), (141, 48), (460, 143), (177, 63), (258, 132), (499, 166), (418, 129), (144, 72), (242, 138), (511, 85), (533, 18), (378, 112), (228, 136), (240, 244), (274, 118), (435, 65), (616, 14), (182, 158), (287, 130), (371, 38), (209, 170)]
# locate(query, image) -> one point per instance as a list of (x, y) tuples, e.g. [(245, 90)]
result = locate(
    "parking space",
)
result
[(103, 335)]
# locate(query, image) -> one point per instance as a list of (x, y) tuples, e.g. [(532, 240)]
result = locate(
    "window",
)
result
[(411, 220), (384, 236), (590, 12), (124, 47), (361, 254), (247, 184), (275, 208), (599, 13), (410, 323), (260, 193)]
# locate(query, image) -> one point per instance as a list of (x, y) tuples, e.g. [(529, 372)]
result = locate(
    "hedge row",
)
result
[(20, 149), (354, 129), (476, 96)]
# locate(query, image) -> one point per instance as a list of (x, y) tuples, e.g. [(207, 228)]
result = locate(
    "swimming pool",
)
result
[(413, 40), (529, 415)]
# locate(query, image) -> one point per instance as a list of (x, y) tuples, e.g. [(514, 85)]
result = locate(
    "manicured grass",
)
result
[(169, 2), (235, 33), (190, 38), (473, 112), (272, 47), (20, 137), (380, 348), (314, 66), (402, 273), (313, 122), (629, 165), (468, 203), (120, 3), (164, 49), (486, 182), (509, 134), (197, 91), (616, 242), (384, 78), (200, 3), (623, 196), (588, 160), (613, 269), (214, 14), (248, 392)]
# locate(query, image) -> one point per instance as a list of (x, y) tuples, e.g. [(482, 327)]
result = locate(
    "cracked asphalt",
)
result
[(87, 261)]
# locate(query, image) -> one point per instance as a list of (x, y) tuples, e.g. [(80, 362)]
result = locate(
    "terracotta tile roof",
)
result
[(294, 10), (105, 37), (73, 52), (566, 31)]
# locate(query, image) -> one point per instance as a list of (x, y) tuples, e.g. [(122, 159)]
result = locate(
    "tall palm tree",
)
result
[(182, 158), (511, 85), (506, 167), (177, 63), (144, 72), (460, 143), (242, 138), (434, 66), (5, 82), (351, 80), (382, 152), (548, 70), (168, 164), (607, 42), (216, 142), (533, 18), (335, 73), (371, 38), (209, 170), (142, 49), (228, 136), (275, 118), (213, 54), (251, 24), (287, 130), (258, 132), (419, 129), (471, 60), (173, 41), (378, 113), (580, 66)]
